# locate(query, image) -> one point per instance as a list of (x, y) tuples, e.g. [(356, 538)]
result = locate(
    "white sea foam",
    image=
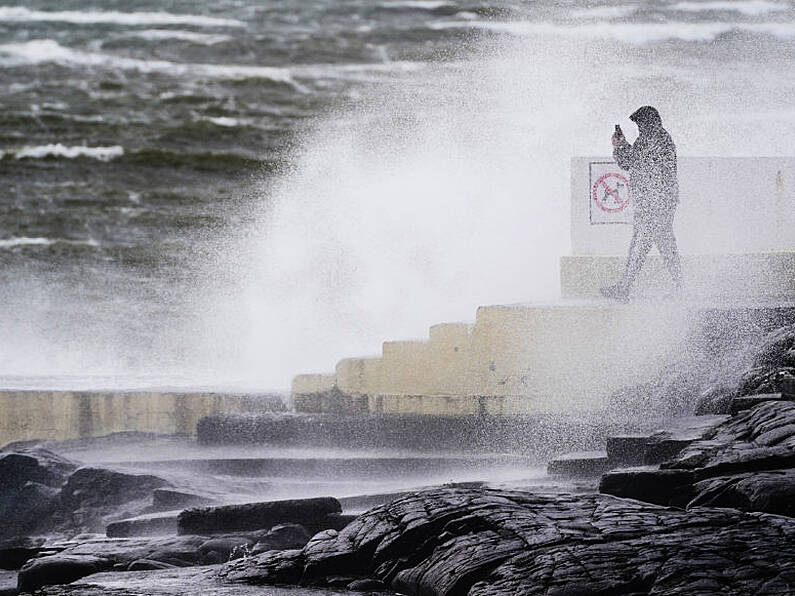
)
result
[(420, 4), (25, 15), (224, 121), (69, 152), (26, 241), (50, 51), (746, 7), (604, 12), (208, 39), (633, 33)]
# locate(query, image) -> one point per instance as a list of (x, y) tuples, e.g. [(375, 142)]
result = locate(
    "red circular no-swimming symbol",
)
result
[(611, 192)]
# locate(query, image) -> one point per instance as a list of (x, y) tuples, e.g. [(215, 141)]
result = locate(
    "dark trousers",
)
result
[(649, 229)]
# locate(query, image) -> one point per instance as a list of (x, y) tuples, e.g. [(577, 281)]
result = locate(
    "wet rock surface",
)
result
[(30, 479), (310, 513), (747, 462), (490, 542)]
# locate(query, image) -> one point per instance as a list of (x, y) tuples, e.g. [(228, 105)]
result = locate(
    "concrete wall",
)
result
[(516, 359), (57, 415), (727, 205)]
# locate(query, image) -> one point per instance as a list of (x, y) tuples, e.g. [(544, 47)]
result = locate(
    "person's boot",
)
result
[(617, 292)]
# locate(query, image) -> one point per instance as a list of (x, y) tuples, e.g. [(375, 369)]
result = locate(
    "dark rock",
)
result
[(162, 582), (148, 564), (739, 404), (661, 487), (764, 380), (770, 492), (174, 550), (662, 449), (30, 477), (166, 499), (153, 524), (759, 439), (225, 548), (746, 462), (58, 569), (282, 537), (626, 450), (93, 497), (15, 551), (255, 516), (579, 465), (366, 585), (28, 510), (333, 521), (33, 464), (100, 487), (480, 542)]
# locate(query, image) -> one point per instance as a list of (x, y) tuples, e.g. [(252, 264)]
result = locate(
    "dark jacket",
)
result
[(651, 163)]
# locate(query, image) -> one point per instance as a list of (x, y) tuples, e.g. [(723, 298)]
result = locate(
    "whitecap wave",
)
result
[(9, 14), (50, 51), (419, 4), (208, 39), (61, 150), (746, 7), (26, 241), (224, 121), (632, 33), (604, 12)]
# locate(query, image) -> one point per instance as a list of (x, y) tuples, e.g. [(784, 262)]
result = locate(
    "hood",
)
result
[(646, 116)]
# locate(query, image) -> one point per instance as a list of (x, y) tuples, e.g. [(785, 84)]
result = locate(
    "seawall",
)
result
[(57, 415)]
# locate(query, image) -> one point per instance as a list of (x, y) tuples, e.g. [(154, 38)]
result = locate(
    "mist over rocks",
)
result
[(493, 542), (746, 462)]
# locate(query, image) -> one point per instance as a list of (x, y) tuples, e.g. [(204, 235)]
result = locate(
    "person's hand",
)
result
[(617, 139)]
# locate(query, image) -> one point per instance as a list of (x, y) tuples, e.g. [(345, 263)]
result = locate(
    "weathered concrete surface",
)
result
[(488, 542), (531, 358), (57, 415)]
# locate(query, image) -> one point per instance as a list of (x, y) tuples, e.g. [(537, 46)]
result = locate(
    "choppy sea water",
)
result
[(237, 191)]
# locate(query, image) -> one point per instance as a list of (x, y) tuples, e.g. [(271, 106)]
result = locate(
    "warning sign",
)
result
[(609, 196)]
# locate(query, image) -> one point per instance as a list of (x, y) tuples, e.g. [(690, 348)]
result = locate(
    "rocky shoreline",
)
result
[(707, 513)]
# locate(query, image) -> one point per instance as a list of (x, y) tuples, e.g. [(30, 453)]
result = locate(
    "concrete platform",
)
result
[(751, 277)]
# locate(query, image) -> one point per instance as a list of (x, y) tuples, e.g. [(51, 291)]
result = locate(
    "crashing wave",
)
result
[(634, 33)]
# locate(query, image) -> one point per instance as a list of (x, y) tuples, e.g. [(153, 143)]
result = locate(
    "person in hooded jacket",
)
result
[(651, 163)]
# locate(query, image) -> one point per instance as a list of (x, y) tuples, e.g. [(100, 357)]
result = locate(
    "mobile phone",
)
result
[(618, 131)]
